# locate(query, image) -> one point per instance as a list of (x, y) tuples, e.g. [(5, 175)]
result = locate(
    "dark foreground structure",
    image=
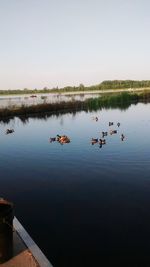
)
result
[(25, 252), (16, 246)]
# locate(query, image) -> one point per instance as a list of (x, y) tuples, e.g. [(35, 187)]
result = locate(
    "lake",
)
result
[(83, 205), (28, 100)]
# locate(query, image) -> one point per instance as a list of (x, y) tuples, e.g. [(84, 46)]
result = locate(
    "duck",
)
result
[(63, 139), (110, 123), (122, 137), (58, 137), (113, 132), (94, 141), (52, 139), (95, 118), (9, 131), (118, 124), (102, 141), (104, 134)]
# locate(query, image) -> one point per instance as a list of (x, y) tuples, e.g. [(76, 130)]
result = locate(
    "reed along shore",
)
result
[(122, 100)]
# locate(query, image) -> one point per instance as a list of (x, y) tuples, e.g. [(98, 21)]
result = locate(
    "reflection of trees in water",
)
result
[(5, 120), (58, 114), (24, 119), (73, 115), (82, 96), (72, 98), (12, 121), (122, 102), (44, 99), (61, 120)]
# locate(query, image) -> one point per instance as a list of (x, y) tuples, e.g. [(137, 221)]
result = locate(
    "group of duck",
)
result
[(102, 141), (63, 139)]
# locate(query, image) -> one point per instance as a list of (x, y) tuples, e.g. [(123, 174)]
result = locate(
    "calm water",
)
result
[(80, 203), (28, 100)]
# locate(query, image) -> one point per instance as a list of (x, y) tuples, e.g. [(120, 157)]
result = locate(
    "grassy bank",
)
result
[(121, 100)]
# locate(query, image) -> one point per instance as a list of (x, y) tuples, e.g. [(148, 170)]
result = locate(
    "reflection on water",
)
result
[(91, 106), (84, 206), (28, 100)]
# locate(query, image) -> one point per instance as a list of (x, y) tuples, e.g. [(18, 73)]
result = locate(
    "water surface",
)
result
[(82, 204), (28, 100)]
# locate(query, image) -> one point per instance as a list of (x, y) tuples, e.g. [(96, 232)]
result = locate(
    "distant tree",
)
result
[(45, 89), (81, 87)]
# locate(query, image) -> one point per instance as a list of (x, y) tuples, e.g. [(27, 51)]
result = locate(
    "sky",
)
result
[(50, 43)]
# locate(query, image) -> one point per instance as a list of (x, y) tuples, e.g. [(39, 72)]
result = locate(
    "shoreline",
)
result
[(102, 91), (107, 91)]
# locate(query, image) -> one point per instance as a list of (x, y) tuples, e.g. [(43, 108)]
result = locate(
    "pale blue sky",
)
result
[(67, 42)]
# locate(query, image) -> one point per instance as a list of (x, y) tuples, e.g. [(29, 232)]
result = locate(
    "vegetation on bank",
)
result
[(105, 85), (121, 100)]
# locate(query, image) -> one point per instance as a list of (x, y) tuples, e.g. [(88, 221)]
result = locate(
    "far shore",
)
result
[(104, 91)]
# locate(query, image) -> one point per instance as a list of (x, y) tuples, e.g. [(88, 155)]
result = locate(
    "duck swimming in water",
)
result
[(9, 131), (118, 124), (122, 137), (95, 118), (63, 139), (94, 141), (110, 123), (104, 134), (113, 132), (52, 139), (102, 141)]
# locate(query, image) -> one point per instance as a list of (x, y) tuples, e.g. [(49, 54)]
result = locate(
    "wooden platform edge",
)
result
[(31, 245)]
